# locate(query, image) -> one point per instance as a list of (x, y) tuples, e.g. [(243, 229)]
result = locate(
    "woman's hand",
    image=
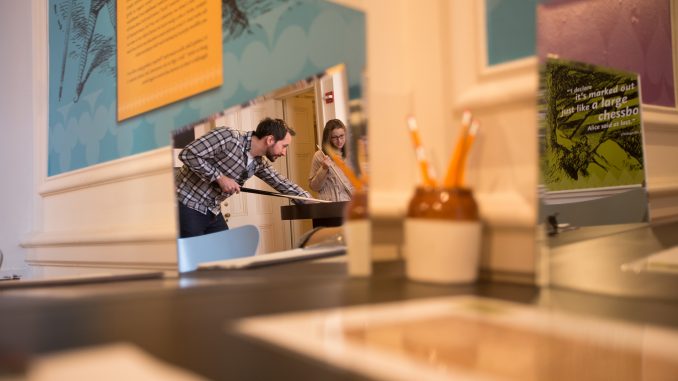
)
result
[(327, 162)]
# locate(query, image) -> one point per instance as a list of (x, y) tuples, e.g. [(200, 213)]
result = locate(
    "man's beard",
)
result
[(270, 156)]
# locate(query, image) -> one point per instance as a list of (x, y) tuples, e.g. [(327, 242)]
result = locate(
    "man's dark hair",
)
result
[(276, 127)]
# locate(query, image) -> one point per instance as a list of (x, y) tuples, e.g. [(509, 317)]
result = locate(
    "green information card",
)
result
[(590, 127)]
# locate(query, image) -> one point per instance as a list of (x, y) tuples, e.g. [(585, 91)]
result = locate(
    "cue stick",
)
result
[(267, 193)]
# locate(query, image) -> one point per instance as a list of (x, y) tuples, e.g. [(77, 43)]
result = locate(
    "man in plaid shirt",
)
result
[(217, 164)]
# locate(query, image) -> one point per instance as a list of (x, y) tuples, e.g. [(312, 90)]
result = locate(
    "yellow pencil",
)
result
[(453, 165), (427, 173)]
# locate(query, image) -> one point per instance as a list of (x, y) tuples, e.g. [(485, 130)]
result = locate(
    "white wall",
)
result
[(117, 216), (427, 59), (16, 131)]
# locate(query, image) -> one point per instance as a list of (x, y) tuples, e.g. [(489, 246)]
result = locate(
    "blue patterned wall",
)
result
[(511, 29), (286, 41)]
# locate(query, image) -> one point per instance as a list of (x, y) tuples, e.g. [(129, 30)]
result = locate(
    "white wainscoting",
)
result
[(118, 215), (502, 169), (661, 161)]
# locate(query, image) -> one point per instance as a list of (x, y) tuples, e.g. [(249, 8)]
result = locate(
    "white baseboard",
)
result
[(160, 255), (663, 198)]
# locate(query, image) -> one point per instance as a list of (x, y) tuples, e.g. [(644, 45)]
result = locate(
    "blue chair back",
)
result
[(233, 243)]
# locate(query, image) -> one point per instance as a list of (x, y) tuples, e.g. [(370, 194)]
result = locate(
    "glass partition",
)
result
[(230, 139)]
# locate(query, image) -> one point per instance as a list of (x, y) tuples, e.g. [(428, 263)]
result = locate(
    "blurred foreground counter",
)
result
[(626, 260), (199, 323)]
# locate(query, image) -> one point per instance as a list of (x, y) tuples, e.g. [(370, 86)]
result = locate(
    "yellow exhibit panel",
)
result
[(167, 51)]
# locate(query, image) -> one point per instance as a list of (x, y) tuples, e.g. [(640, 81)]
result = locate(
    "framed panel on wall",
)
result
[(510, 30)]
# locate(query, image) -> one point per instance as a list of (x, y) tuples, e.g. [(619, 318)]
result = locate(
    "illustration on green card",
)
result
[(590, 127)]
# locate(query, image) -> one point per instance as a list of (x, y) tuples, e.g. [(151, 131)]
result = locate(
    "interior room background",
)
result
[(101, 197)]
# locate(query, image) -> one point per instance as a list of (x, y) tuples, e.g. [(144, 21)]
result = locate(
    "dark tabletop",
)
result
[(185, 320), (313, 210)]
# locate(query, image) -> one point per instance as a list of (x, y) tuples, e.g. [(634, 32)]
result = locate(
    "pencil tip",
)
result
[(412, 122), (475, 125), (466, 117)]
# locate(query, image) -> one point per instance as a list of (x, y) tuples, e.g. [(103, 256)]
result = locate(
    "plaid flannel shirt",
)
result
[(223, 151)]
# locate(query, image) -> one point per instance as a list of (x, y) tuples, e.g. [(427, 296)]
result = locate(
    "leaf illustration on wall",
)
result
[(92, 51), (237, 15)]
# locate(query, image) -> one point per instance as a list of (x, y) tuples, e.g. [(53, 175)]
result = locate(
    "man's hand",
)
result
[(228, 185)]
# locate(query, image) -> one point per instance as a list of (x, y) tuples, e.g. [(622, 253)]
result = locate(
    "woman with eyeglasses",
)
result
[(325, 177)]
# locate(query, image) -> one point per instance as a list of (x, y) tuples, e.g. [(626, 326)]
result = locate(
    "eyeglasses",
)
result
[(338, 137)]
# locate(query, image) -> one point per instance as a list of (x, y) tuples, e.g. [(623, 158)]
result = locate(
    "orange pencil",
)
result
[(456, 157), (334, 170), (427, 173), (357, 184), (468, 142)]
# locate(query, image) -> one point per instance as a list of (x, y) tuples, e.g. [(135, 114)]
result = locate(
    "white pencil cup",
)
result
[(442, 236)]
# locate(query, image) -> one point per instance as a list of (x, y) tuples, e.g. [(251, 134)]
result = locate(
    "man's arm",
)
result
[(196, 156), (271, 177)]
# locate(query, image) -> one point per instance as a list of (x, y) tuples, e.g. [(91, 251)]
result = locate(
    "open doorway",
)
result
[(299, 111)]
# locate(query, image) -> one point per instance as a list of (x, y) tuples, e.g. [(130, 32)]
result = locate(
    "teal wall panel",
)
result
[(511, 29), (285, 41)]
